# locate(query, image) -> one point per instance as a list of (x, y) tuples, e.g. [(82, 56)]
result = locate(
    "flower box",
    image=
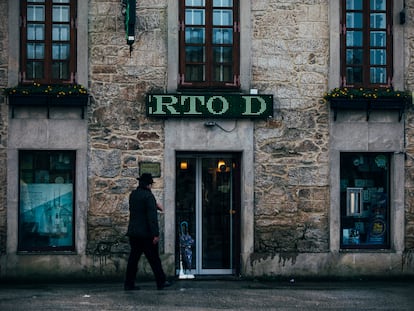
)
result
[(368, 105), (48, 100)]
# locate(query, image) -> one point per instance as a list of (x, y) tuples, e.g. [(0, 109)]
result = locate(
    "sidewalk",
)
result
[(211, 295)]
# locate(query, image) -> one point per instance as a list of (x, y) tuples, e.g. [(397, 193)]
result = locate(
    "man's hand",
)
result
[(159, 207), (155, 240)]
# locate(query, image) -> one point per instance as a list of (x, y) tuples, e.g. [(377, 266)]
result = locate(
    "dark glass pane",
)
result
[(354, 56), (354, 20), (378, 75), (223, 73), (378, 38), (35, 51), (194, 54), (195, 35), (222, 54), (60, 70), (378, 57), (354, 38), (186, 213), (60, 51), (34, 70), (194, 73), (354, 4), (222, 36), (354, 75), (378, 20)]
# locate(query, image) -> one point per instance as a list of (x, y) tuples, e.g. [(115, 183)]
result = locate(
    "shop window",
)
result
[(365, 197), (46, 200), (209, 44), (48, 37), (366, 40)]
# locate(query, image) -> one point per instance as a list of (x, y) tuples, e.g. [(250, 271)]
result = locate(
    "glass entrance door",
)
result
[(207, 213)]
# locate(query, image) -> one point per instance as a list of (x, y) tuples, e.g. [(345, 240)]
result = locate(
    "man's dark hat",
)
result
[(146, 178)]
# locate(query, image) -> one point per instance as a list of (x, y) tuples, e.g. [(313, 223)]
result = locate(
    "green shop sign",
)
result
[(209, 106)]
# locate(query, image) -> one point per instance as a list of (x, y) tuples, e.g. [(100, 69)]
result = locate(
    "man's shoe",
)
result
[(166, 284), (131, 287)]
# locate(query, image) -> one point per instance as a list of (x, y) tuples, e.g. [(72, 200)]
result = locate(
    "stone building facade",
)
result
[(286, 169)]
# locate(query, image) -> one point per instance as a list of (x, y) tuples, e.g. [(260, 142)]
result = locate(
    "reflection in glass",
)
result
[(378, 5), (222, 3), (34, 70), (364, 200), (35, 13), (60, 51), (222, 54), (354, 38), (222, 35), (377, 20), (35, 32), (223, 73), (194, 54), (195, 35), (378, 57), (61, 13), (222, 17), (354, 20), (354, 4), (378, 38), (354, 56), (194, 73), (353, 75), (46, 200), (60, 70), (35, 50), (195, 17), (194, 2), (378, 75), (60, 32)]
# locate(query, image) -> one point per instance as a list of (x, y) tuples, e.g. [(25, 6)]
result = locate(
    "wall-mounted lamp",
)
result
[(183, 165), (130, 18)]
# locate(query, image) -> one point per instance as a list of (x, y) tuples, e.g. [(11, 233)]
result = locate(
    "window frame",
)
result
[(21, 247), (209, 83), (366, 47), (47, 60)]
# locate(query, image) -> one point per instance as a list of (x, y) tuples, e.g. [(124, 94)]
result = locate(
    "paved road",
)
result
[(211, 295)]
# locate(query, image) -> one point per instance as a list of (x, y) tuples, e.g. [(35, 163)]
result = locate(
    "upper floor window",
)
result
[(48, 38), (209, 44), (366, 40)]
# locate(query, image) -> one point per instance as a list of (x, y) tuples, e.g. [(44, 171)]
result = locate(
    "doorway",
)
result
[(207, 213)]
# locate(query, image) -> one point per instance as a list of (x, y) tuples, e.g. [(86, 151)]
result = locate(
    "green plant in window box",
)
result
[(366, 93), (367, 99), (51, 94), (58, 90)]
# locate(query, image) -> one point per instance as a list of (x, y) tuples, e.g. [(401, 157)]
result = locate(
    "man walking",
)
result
[(143, 233)]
